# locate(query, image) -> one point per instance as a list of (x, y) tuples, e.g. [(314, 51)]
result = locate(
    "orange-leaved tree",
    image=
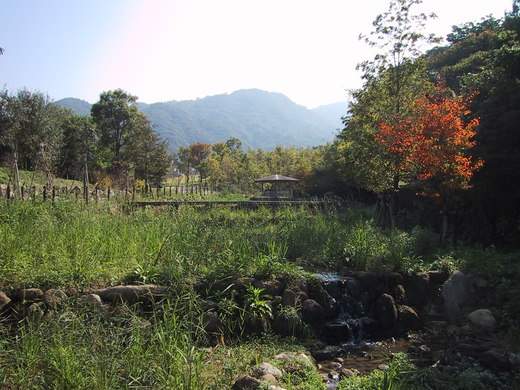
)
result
[(432, 145)]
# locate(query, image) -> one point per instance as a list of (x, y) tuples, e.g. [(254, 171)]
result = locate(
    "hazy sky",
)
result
[(182, 49)]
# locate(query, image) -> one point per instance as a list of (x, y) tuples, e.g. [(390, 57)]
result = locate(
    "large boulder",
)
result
[(455, 292), (132, 294), (408, 319), (386, 312), (312, 311), (417, 290), (482, 319)]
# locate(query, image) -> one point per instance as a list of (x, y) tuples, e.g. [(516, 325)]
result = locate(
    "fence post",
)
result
[(8, 191), (126, 194), (23, 191), (45, 193), (53, 193), (96, 194)]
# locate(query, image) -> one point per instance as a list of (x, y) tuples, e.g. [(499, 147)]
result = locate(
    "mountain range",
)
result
[(260, 119)]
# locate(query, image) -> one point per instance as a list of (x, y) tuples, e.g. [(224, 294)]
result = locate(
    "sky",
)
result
[(163, 50)]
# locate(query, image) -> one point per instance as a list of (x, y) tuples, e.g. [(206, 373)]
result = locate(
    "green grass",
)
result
[(35, 178), (67, 243), (70, 244)]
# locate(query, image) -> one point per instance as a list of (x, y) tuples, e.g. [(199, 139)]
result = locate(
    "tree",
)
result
[(79, 146), (30, 132), (115, 115), (433, 145), (199, 153), (148, 153), (394, 78)]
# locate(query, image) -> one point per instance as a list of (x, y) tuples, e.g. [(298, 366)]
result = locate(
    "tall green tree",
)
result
[(115, 116)]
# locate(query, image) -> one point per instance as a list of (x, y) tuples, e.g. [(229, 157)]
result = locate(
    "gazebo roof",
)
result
[(276, 178)]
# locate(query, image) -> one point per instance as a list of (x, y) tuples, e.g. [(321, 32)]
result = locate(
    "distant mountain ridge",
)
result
[(258, 118)]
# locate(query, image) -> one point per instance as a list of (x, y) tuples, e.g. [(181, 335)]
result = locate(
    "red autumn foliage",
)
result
[(433, 143)]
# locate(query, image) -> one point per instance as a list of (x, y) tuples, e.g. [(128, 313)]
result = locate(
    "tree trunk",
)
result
[(16, 176)]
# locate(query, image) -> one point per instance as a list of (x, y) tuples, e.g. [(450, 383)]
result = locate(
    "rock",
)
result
[(271, 287), (371, 283), (386, 312), (267, 369), (456, 291), (347, 372), (312, 311), (353, 287), (417, 290), (289, 298), (54, 298), (394, 279), (408, 319), (91, 300), (4, 300), (337, 331), (399, 293), (274, 387), (289, 323), (320, 295), (383, 367), (268, 378), (496, 360), (35, 311), (438, 277), (327, 353), (247, 382), (28, 295), (211, 322), (483, 319), (295, 357), (132, 294)]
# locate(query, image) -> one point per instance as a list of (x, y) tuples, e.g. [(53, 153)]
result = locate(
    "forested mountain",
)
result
[(80, 107), (258, 118)]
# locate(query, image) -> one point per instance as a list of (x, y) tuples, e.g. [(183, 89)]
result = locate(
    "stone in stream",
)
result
[(386, 312), (456, 291), (482, 319), (417, 287), (337, 331), (408, 319), (329, 352), (4, 300)]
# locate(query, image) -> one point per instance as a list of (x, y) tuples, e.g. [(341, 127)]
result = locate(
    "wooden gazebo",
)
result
[(278, 187)]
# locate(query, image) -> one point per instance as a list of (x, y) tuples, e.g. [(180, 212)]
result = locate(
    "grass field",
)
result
[(68, 244)]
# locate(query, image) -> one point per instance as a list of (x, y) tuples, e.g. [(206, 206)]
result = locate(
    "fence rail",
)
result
[(97, 194)]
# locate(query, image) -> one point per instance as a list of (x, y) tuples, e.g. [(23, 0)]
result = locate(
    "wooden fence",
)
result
[(96, 194)]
